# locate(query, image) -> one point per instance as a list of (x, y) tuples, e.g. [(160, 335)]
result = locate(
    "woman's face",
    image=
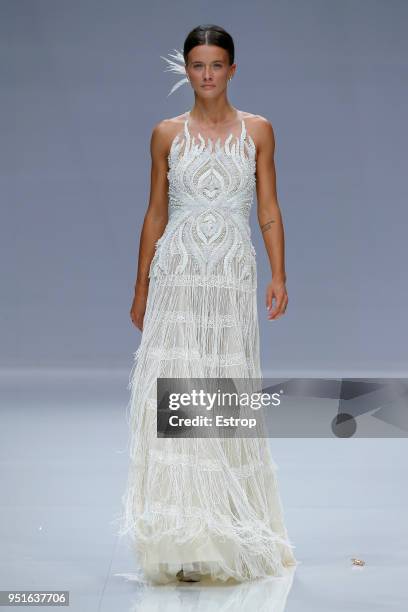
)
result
[(208, 69)]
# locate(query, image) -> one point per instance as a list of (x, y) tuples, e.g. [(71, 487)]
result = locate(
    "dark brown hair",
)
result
[(209, 34)]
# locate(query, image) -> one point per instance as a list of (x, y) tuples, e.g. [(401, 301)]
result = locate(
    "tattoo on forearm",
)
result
[(266, 226)]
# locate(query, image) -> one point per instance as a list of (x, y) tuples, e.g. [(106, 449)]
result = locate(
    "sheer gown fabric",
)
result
[(204, 504)]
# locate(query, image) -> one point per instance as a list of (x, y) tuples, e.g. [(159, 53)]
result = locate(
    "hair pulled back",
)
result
[(209, 34)]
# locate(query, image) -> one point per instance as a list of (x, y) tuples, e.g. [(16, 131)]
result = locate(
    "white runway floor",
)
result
[(63, 470)]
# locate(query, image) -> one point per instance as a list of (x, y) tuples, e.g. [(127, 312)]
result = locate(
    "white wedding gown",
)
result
[(205, 504)]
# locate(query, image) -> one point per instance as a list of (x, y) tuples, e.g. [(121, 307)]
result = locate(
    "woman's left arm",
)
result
[(270, 217)]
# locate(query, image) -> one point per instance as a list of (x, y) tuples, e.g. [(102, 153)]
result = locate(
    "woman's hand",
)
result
[(276, 290), (138, 308)]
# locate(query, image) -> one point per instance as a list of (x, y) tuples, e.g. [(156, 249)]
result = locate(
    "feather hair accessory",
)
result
[(176, 65)]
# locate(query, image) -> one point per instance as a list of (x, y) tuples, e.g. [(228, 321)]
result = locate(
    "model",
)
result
[(197, 507)]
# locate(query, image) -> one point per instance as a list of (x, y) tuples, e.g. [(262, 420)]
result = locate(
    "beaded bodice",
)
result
[(211, 189), (211, 174)]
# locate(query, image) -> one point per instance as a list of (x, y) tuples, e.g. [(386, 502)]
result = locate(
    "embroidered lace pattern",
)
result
[(211, 189)]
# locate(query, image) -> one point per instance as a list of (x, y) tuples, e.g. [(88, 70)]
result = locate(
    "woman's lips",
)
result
[(207, 86)]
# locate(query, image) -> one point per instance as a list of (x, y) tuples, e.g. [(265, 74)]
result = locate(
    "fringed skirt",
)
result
[(210, 505)]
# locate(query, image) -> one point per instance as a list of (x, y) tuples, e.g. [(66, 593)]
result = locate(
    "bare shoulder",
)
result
[(260, 129), (164, 132)]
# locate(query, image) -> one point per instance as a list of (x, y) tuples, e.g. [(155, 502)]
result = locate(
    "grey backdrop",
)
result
[(82, 85)]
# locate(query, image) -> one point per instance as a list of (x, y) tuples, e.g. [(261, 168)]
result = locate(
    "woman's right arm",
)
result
[(155, 219)]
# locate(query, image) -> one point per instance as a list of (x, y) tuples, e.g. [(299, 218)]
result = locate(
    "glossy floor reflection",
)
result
[(63, 467), (260, 596)]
